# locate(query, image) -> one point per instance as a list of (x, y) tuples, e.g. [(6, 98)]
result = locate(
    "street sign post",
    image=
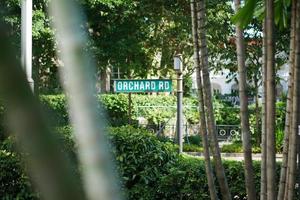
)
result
[(140, 85)]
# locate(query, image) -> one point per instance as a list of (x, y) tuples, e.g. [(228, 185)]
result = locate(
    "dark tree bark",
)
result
[(203, 127), (240, 49), (270, 102), (220, 173), (263, 178), (287, 128), (295, 112)]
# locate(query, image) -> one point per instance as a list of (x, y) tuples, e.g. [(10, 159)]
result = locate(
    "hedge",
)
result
[(148, 168), (116, 107), (14, 184)]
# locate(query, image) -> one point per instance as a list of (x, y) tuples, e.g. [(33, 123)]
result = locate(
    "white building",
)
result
[(222, 85)]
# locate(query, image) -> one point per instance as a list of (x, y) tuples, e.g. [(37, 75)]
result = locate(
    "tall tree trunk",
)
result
[(220, 173), (240, 49), (89, 128), (295, 111), (48, 167), (287, 128), (263, 177), (257, 112), (270, 102), (208, 168)]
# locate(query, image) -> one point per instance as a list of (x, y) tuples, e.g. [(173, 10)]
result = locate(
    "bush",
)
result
[(149, 169), (14, 184), (237, 147), (187, 180), (192, 148), (141, 160), (232, 148), (194, 139), (56, 106)]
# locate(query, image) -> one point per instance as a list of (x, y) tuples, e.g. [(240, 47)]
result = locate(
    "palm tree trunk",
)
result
[(287, 129), (208, 168), (240, 48), (220, 173), (295, 111), (263, 177), (270, 102)]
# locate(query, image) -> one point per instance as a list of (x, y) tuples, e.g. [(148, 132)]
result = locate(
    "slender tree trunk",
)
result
[(240, 48), (89, 128), (208, 168), (270, 102), (257, 113), (263, 177), (295, 112), (220, 173), (48, 167), (287, 129)]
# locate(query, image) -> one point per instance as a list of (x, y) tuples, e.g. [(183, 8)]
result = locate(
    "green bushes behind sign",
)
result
[(149, 169)]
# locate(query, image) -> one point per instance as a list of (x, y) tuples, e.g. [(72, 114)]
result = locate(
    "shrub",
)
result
[(232, 148), (187, 180), (192, 148), (141, 160), (14, 184), (56, 107), (194, 139), (237, 147), (149, 169)]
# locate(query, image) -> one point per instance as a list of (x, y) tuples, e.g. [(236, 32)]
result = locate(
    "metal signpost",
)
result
[(139, 85), (178, 68), (157, 85)]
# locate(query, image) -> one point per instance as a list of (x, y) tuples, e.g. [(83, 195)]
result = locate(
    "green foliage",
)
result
[(156, 109), (226, 115), (194, 139), (245, 15), (14, 184), (279, 140), (116, 107), (149, 169), (232, 148), (55, 105), (256, 8), (192, 148), (237, 147), (185, 180), (141, 160), (280, 115)]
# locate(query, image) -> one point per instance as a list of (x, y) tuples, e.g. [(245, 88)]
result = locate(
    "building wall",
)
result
[(219, 81)]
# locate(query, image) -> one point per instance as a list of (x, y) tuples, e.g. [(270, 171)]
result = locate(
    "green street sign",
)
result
[(149, 85)]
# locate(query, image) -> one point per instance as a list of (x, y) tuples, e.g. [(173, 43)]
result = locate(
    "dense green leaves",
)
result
[(13, 183), (149, 169)]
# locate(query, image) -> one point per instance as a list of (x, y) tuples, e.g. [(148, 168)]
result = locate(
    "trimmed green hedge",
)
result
[(116, 107), (149, 169)]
